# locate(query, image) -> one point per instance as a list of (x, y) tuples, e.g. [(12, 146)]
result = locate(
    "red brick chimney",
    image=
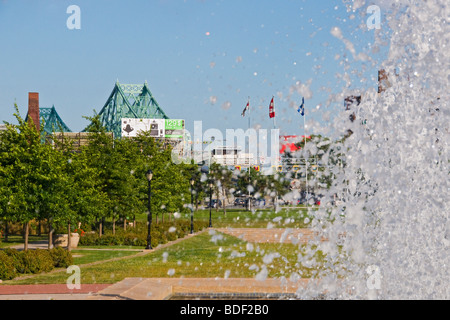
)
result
[(33, 109)]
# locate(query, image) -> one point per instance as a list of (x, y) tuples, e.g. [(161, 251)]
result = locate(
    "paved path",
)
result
[(274, 235), (50, 289), (41, 244)]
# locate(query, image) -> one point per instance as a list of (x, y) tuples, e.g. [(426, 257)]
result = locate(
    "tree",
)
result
[(250, 183), (124, 190), (223, 182), (170, 183), (98, 155), (24, 168)]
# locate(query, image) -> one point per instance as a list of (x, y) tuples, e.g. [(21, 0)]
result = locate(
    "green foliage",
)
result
[(16, 258), (36, 261), (161, 233), (61, 257), (23, 171), (7, 270), (103, 180), (32, 261)]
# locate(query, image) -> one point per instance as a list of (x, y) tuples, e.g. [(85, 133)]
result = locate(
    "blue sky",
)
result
[(201, 59)]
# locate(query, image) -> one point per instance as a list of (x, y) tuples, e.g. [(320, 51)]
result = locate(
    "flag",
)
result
[(301, 108), (246, 108), (271, 109)]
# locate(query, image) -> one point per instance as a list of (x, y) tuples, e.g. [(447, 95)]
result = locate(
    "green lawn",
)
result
[(261, 218), (14, 240), (203, 256), (87, 256), (198, 256)]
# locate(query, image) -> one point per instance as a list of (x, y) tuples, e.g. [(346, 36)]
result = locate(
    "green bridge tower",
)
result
[(129, 101)]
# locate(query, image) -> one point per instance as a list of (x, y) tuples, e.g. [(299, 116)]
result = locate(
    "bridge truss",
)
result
[(129, 101)]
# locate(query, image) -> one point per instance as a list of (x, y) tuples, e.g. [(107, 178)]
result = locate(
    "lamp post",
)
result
[(149, 176), (192, 181), (205, 169), (210, 201)]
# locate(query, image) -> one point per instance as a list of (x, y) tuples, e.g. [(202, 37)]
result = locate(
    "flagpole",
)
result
[(249, 114), (274, 115), (304, 150), (249, 176)]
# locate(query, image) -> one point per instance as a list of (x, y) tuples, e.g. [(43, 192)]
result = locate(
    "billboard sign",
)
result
[(174, 128), (158, 128)]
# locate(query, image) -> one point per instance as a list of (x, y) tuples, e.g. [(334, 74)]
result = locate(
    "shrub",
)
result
[(156, 239), (61, 257), (7, 270), (17, 259), (89, 239), (133, 239), (171, 236), (138, 236), (36, 261)]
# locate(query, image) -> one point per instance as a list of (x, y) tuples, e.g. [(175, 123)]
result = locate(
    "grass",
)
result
[(14, 240), (202, 256), (87, 256), (260, 218), (198, 256), (130, 248)]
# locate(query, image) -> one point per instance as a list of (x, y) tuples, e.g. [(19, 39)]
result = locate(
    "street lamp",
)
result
[(210, 201), (149, 176), (205, 169), (192, 181)]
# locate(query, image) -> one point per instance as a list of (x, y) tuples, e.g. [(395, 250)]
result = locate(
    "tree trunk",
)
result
[(275, 201), (27, 227), (69, 242), (217, 197), (114, 225), (39, 228), (100, 227), (224, 202), (124, 224), (6, 230), (50, 234)]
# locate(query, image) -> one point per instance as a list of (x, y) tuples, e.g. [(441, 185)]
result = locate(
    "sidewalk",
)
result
[(42, 244), (49, 292)]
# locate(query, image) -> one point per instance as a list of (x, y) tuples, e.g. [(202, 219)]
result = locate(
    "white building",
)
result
[(231, 156)]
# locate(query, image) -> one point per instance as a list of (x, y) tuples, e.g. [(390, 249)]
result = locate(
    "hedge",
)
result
[(7, 270), (161, 233), (14, 262)]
